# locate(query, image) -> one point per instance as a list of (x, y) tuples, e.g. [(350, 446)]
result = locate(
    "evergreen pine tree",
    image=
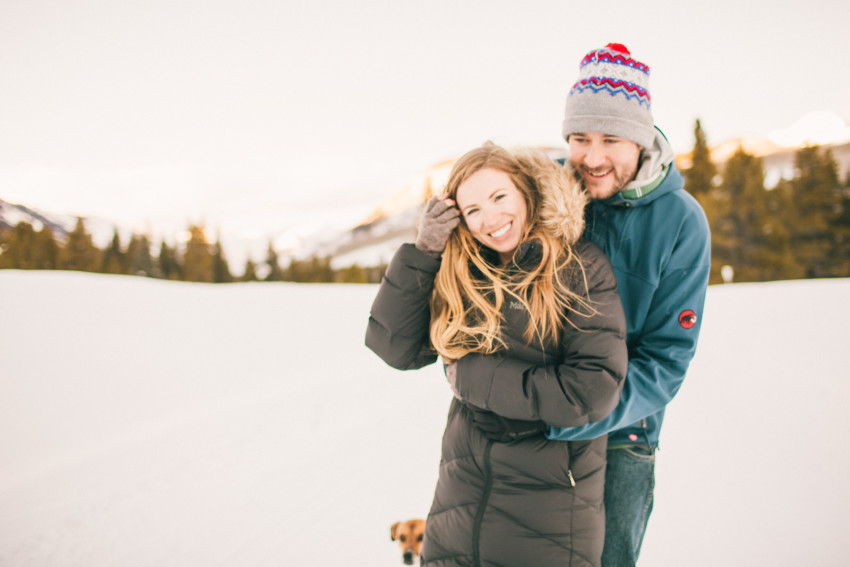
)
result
[(275, 273), (296, 271), (746, 234), (817, 201), (841, 231), (250, 273), (5, 244), (46, 249), (320, 270), (168, 263), (221, 271), (18, 246), (198, 258), (699, 178), (24, 248), (79, 252), (113, 259), (778, 257), (139, 260)]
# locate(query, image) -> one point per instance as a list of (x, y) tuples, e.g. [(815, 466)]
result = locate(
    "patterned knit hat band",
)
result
[(611, 96)]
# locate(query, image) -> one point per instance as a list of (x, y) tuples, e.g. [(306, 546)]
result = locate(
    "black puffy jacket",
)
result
[(530, 502)]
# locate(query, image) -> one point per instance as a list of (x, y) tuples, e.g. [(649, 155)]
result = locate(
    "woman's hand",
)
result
[(436, 225)]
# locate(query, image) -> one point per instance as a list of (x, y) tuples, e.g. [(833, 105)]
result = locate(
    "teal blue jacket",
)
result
[(660, 247)]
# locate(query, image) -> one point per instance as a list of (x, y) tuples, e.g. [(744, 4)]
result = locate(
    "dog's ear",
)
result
[(393, 530)]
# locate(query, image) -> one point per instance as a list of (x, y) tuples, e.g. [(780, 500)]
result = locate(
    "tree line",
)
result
[(23, 247), (798, 229)]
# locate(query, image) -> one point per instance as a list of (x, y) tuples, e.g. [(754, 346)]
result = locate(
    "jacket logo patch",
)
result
[(687, 319)]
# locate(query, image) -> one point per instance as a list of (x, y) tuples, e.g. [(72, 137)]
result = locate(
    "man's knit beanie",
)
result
[(611, 96)]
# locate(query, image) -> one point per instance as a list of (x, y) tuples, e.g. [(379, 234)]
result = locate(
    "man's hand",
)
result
[(436, 225)]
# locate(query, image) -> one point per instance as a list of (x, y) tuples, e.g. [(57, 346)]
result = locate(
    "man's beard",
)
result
[(620, 180)]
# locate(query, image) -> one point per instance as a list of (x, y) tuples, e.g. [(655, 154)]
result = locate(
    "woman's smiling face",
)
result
[(494, 210)]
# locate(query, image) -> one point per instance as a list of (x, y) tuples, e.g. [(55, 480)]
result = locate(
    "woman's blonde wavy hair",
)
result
[(470, 290)]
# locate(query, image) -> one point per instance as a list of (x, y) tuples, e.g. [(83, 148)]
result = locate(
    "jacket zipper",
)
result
[(479, 516)]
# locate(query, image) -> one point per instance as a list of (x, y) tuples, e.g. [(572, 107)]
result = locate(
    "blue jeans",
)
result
[(629, 482)]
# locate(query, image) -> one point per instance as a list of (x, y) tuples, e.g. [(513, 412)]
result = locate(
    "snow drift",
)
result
[(145, 422)]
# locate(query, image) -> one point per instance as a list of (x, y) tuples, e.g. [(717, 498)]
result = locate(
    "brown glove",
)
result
[(439, 219)]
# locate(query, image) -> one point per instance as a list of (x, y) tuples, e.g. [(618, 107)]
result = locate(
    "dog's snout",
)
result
[(410, 536)]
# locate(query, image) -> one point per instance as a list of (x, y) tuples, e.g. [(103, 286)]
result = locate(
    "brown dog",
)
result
[(409, 536)]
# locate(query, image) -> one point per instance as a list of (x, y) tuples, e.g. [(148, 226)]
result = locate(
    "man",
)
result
[(657, 238)]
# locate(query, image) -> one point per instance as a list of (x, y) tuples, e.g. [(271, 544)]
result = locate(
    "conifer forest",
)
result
[(798, 229)]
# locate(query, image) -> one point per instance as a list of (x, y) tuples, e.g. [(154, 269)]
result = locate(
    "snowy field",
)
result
[(154, 424)]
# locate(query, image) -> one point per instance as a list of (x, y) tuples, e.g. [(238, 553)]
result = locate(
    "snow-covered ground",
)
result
[(149, 423)]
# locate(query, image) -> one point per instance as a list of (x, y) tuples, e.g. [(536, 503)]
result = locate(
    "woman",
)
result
[(527, 318)]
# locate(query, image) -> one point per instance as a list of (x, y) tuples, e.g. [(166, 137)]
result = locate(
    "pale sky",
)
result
[(260, 117)]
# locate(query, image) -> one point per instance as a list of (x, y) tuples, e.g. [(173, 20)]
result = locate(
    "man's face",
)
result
[(604, 163)]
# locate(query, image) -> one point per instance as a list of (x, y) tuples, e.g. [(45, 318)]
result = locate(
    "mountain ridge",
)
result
[(373, 239)]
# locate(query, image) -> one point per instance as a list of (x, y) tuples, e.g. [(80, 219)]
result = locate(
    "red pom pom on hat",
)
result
[(618, 47)]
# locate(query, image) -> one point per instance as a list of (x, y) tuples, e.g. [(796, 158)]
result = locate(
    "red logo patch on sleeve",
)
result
[(687, 319)]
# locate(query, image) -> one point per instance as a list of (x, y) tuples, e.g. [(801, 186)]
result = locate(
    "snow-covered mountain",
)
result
[(101, 230), (777, 150), (778, 160), (12, 214), (372, 240)]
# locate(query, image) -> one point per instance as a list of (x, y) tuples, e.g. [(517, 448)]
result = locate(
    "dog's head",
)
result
[(409, 536)]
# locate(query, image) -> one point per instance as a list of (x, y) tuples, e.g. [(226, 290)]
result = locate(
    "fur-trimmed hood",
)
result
[(563, 200)]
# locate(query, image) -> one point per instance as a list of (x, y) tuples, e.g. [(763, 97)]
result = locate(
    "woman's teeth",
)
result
[(502, 231)]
